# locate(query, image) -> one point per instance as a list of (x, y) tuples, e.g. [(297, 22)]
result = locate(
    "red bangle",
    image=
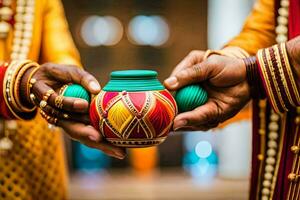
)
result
[(4, 111)]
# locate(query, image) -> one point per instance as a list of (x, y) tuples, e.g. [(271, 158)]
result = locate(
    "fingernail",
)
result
[(180, 124), (171, 82), (94, 85), (93, 138)]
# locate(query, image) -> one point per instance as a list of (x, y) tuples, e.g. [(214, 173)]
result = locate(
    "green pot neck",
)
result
[(133, 81)]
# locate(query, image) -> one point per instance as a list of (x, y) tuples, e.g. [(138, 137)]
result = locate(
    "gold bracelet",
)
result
[(9, 98), (6, 89), (16, 87)]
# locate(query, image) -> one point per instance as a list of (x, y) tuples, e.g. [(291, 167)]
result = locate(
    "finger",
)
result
[(206, 115), (73, 74), (49, 110), (68, 104), (193, 74), (90, 136), (191, 59)]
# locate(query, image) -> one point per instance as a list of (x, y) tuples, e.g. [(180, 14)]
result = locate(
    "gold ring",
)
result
[(62, 89), (59, 101), (43, 104), (66, 116), (48, 94)]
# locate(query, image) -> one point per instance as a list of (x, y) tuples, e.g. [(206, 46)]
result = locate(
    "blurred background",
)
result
[(157, 34)]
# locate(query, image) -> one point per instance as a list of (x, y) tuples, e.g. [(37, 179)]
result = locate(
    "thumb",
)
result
[(187, 76)]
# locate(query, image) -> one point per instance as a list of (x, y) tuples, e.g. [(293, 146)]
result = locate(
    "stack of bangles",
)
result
[(19, 102), (253, 77), (15, 105)]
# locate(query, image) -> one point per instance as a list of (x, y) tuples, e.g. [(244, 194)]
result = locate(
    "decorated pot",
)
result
[(133, 109)]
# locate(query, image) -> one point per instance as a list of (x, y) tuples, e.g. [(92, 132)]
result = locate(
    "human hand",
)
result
[(224, 79), (73, 116)]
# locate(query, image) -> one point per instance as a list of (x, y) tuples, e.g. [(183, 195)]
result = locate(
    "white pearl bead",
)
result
[(283, 12), (16, 48), (273, 135), (281, 38), (265, 191), (272, 144), (266, 183), (270, 161), (281, 29), (264, 198), (28, 18), (271, 152), (29, 9), (274, 117), (282, 20), (26, 41), (14, 55), (273, 126), (268, 176), (284, 3), (269, 168), (27, 34), (18, 33), (24, 49), (20, 9), (22, 56), (6, 13)]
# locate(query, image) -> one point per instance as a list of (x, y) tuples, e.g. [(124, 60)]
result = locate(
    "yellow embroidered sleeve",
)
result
[(259, 29), (57, 43)]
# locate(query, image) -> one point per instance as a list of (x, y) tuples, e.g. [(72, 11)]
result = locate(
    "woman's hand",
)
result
[(73, 116), (224, 78)]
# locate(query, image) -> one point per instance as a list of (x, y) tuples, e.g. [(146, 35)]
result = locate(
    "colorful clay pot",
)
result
[(133, 109)]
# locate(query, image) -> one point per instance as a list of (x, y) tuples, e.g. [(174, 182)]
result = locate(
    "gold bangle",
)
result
[(14, 69), (59, 101), (20, 74), (7, 93)]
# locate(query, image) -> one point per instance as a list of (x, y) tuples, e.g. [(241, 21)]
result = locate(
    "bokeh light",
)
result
[(89, 159), (203, 149), (101, 30), (148, 30)]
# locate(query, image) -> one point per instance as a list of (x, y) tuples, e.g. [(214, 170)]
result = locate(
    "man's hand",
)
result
[(52, 76), (224, 79)]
